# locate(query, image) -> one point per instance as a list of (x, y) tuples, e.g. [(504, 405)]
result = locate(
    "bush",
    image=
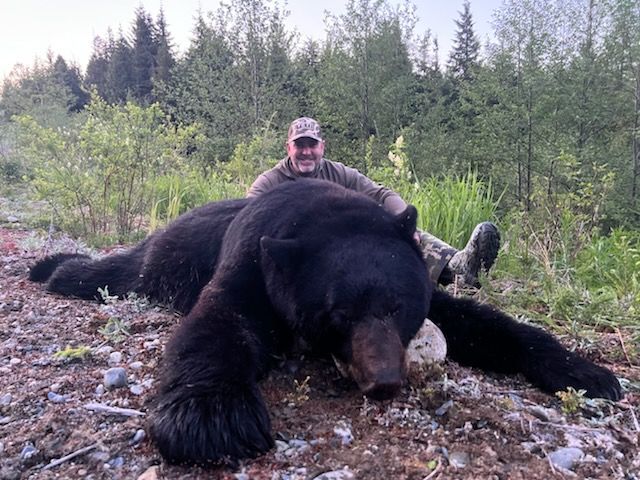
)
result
[(99, 175)]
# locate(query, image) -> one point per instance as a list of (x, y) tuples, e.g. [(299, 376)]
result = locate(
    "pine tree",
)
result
[(464, 58), (71, 79), (97, 74), (120, 72), (143, 53), (164, 58)]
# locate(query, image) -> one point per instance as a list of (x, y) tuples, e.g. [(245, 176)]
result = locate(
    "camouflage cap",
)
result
[(304, 127)]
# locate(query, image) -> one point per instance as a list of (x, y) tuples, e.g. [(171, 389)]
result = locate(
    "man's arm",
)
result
[(389, 199), (259, 186)]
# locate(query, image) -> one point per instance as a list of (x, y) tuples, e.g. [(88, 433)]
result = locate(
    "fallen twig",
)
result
[(101, 408), (624, 349), (61, 460)]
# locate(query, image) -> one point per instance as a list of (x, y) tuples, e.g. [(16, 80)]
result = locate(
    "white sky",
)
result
[(30, 28)]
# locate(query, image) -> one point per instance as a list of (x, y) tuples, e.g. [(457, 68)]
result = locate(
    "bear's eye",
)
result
[(340, 320)]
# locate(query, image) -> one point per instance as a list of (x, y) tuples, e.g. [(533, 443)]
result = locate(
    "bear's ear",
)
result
[(407, 221), (285, 253)]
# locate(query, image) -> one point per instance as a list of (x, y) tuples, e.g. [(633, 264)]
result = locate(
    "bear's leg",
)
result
[(81, 276), (481, 336), (209, 409)]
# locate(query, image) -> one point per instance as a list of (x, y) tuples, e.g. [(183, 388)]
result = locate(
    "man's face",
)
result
[(305, 154)]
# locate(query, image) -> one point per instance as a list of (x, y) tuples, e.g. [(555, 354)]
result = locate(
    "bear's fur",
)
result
[(311, 260)]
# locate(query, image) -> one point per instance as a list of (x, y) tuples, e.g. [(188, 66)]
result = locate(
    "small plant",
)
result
[(71, 354), (115, 330), (105, 296), (572, 400), (300, 393)]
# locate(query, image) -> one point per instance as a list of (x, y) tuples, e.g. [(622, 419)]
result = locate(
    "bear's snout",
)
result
[(378, 363)]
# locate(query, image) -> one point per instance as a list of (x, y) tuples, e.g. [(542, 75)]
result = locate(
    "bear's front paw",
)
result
[(570, 370), (196, 426)]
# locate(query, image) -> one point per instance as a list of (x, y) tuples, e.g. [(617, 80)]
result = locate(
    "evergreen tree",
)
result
[(463, 61), (164, 58), (71, 79), (120, 74), (97, 74), (143, 54)]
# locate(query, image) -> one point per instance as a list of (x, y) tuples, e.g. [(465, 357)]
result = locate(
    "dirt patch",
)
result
[(460, 423)]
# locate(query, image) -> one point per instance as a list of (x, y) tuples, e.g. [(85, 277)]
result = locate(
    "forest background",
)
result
[(538, 130)]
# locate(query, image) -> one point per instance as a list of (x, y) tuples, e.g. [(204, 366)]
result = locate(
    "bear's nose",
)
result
[(384, 389), (377, 363)]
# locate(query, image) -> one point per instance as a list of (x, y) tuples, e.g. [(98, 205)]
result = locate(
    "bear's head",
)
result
[(360, 294)]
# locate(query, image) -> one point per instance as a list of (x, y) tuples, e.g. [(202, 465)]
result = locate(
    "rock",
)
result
[(150, 473), (5, 399), (343, 474), (104, 350), (444, 408), (459, 459), (116, 462), (343, 432), (428, 347), (115, 378), (56, 398), (566, 457), (136, 389), (100, 390), (115, 358), (12, 219), (138, 437), (136, 365), (30, 455)]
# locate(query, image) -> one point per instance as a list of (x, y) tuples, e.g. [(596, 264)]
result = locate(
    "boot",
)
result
[(479, 253)]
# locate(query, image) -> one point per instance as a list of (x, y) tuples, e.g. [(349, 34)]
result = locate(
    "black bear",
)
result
[(311, 260)]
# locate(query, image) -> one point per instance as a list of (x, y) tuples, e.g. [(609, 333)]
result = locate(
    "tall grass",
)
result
[(451, 207)]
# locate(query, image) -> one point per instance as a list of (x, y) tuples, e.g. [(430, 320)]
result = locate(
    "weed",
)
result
[(572, 400), (71, 354), (300, 394), (115, 330)]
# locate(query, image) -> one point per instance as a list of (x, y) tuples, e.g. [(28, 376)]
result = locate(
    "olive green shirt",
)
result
[(334, 172)]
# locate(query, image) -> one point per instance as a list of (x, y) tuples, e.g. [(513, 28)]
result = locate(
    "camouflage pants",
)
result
[(436, 253)]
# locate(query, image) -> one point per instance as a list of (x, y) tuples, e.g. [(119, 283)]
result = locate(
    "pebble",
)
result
[(99, 457), (136, 389), (100, 390), (241, 476), (115, 358), (6, 399), (444, 408), (115, 378), (136, 365), (116, 462), (343, 432), (459, 459), (566, 457), (150, 473), (12, 219), (104, 350), (56, 398), (138, 437), (15, 361), (344, 474), (28, 454)]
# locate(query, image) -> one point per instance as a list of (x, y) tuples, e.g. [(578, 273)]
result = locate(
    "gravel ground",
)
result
[(59, 420)]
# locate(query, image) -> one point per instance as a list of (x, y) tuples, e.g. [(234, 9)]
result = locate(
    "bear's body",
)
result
[(311, 260)]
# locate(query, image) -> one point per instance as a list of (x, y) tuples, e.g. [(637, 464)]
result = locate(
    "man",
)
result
[(305, 150)]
